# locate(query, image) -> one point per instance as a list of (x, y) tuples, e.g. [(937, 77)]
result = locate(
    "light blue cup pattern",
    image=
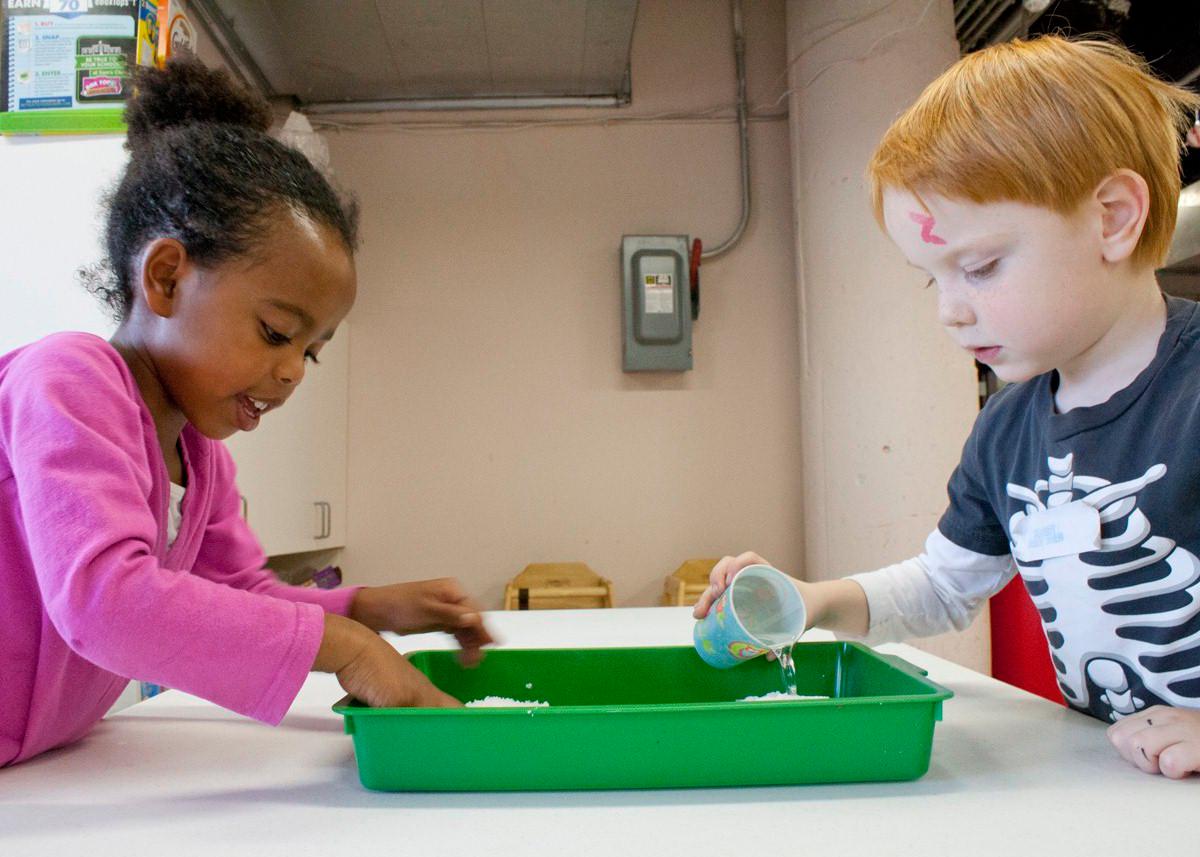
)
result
[(759, 611)]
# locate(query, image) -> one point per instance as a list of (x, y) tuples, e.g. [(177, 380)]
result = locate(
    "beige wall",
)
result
[(490, 423), (887, 398)]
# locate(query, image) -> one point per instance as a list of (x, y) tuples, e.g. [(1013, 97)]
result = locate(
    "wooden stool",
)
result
[(684, 585), (557, 585)]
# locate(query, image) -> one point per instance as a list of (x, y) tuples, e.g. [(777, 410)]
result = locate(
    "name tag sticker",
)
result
[(1066, 530)]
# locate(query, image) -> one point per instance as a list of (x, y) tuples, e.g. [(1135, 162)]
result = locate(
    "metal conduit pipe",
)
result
[(985, 22), (223, 33), (965, 12), (1018, 21), (739, 54), (322, 108), (970, 27)]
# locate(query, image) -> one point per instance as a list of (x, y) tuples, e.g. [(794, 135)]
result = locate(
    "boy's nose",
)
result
[(953, 311)]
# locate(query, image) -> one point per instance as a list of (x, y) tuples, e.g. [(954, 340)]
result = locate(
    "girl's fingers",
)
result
[(473, 638), (452, 608), (472, 635), (470, 654), (448, 589), (449, 616), (472, 621), (432, 697)]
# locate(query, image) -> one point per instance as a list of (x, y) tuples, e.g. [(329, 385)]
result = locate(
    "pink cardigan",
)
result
[(89, 594)]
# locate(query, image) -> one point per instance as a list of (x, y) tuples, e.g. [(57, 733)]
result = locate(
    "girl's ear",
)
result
[(163, 262), (1124, 199)]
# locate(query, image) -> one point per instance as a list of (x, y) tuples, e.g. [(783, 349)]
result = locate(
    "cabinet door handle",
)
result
[(326, 519)]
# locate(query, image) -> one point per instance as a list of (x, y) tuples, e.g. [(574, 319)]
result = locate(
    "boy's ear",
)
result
[(163, 262), (1124, 199)]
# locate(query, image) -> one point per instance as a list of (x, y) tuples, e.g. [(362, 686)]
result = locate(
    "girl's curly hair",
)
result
[(203, 170)]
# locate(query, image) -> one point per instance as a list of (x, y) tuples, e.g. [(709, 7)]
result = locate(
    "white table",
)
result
[(1011, 774)]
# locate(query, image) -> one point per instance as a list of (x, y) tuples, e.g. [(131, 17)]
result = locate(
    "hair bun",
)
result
[(188, 92)]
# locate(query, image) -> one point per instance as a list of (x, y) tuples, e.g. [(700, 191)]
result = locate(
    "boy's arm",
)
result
[(840, 606), (940, 590), (836, 605), (945, 586)]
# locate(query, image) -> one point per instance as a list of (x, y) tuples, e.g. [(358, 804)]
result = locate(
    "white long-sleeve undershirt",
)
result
[(940, 590)]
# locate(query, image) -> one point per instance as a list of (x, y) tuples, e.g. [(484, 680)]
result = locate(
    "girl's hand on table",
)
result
[(370, 670), (425, 605), (1160, 740)]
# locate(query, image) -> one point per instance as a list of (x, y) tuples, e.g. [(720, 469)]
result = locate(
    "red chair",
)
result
[(1019, 652)]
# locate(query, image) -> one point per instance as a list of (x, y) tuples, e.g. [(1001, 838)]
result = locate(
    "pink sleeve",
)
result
[(76, 440), (231, 554)]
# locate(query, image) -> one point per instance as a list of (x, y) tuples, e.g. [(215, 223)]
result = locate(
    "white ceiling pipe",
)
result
[(319, 108)]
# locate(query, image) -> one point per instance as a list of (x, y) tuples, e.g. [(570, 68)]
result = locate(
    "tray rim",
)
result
[(349, 707)]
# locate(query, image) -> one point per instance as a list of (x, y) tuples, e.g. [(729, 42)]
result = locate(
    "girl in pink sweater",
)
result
[(122, 551)]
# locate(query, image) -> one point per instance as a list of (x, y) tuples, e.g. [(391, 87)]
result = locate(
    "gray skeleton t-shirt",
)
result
[(1123, 619)]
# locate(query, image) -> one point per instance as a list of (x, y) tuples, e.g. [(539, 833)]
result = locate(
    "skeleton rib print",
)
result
[(1122, 621)]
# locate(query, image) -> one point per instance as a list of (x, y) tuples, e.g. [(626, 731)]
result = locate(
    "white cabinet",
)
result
[(292, 468), (50, 225)]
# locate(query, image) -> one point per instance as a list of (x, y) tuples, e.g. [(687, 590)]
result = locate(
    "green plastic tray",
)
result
[(651, 718)]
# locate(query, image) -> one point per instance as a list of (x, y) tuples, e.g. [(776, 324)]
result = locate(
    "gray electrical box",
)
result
[(657, 317)]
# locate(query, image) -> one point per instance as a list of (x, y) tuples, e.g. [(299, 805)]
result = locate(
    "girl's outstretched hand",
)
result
[(720, 578), (370, 670), (425, 605), (1160, 740)]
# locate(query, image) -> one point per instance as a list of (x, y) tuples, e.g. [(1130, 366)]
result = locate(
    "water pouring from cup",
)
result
[(761, 611)]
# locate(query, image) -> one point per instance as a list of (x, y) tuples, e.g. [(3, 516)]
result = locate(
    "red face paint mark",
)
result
[(926, 221)]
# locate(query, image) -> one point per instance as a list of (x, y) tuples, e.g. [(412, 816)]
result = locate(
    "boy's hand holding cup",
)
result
[(749, 609)]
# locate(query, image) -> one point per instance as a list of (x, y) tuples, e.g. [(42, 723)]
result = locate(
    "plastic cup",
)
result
[(759, 612)]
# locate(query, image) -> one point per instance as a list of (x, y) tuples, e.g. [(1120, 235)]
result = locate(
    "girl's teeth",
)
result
[(262, 406)]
